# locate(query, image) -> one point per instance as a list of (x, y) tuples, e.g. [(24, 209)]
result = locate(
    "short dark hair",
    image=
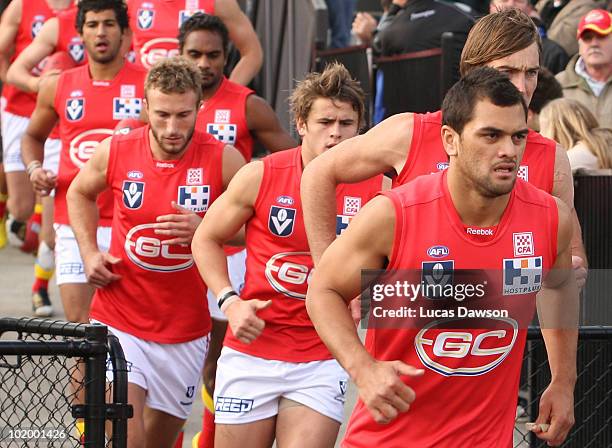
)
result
[(204, 22), (481, 83), (119, 6), (548, 89)]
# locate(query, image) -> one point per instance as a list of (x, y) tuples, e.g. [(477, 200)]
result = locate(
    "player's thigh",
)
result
[(161, 428), (298, 426), (259, 434), (136, 426)]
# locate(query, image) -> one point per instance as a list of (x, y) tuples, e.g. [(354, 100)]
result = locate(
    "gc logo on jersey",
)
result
[(84, 145), (133, 194), (289, 273), (158, 49), (76, 49), (145, 18), (194, 197), (146, 250), (126, 108), (435, 275), (225, 133), (75, 109), (465, 353), (342, 222), (522, 275), (281, 220)]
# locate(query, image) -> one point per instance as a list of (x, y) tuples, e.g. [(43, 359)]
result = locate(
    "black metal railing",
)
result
[(53, 373)]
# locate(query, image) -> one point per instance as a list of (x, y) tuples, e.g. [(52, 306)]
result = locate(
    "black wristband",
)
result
[(225, 297)]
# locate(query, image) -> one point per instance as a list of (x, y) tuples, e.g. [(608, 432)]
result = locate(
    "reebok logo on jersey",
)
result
[(145, 18), (523, 244), (75, 109), (522, 275), (281, 220), (194, 197), (233, 405), (133, 194), (484, 232)]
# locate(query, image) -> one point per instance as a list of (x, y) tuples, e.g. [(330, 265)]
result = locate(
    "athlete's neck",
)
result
[(59, 5), (474, 208), (209, 92), (106, 71), (161, 155)]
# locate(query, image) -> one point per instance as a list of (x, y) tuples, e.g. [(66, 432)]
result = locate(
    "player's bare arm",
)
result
[(264, 125), (563, 188), (222, 221), (183, 224), (558, 310), (366, 244), (20, 72), (9, 26), (242, 34), (83, 213), (41, 123), (382, 149)]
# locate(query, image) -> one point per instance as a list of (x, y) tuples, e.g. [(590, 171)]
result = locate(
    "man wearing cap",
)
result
[(588, 76)]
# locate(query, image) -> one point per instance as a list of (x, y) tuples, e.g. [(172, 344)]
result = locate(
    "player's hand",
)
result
[(557, 410), (43, 181), (97, 269), (181, 225), (580, 270), (382, 390), (243, 320)]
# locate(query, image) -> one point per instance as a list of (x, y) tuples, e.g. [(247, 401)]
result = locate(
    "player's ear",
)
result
[(450, 140), (301, 127)]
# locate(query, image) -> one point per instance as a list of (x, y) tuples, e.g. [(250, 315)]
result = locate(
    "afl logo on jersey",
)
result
[(145, 249), (84, 145), (133, 194), (289, 273), (75, 109), (76, 49), (438, 251), (281, 220), (441, 166), (158, 49), (465, 353), (37, 24), (145, 18)]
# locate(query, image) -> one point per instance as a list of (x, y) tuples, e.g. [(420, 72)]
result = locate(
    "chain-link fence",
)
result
[(593, 394), (53, 374)]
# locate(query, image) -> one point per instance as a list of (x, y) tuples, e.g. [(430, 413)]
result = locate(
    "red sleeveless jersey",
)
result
[(88, 113), (68, 39), (34, 13), (467, 396), (427, 154), (279, 265), (224, 117), (155, 25), (160, 296)]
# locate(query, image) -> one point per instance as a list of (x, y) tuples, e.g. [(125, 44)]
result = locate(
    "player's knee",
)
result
[(20, 208), (46, 256)]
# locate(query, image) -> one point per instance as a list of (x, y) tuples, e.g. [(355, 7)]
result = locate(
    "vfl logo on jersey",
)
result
[(435, 275), (76, 49), (351, 205), (133, 194), (465, 353), (145, 249), (523, 173), (342, 222), (281, 220), (145, 18), (84, 145), (75, 109), (289, 273), (126, 108), (195, 176), (342, 386), (522, 275), (37, 24), (523, 244), (225, 133), (194, 197), (158, 49), (189, 393), (184, 15)]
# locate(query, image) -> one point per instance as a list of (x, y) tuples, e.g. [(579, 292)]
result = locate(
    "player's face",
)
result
[(205, 49), (172, 118), (329, 122), (522, 69), (102, 36), (490, 148)]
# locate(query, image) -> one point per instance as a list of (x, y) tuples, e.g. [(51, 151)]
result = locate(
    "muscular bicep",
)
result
[(91, 180), (563, 183), (9, 26), (234, 207), (366, 244), (44, 116), (563, 263), (265, 126)]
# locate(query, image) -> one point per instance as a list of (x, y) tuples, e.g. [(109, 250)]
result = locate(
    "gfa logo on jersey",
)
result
[(126, 108), (225, 133), (37, 24), (194, 197), (522, 275), (435, 275), (523, 173), (351, 205), (281, 220), (133, 193), (76, 49), (195, 176), (145, 18), (75, 109), (342, 222)]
